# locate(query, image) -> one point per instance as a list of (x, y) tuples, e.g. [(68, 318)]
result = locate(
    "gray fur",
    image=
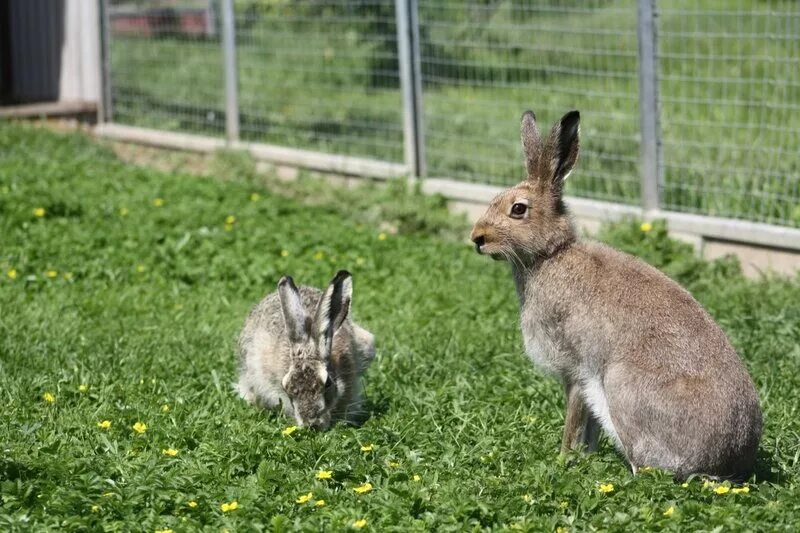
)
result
[(638, 355), (278, 373)]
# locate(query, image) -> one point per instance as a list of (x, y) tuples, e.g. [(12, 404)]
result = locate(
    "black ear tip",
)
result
[(341, 276), (529, 115), (572, 116), (286, 280)]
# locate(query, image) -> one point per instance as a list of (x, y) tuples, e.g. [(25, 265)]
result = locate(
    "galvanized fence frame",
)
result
[(414, 163)]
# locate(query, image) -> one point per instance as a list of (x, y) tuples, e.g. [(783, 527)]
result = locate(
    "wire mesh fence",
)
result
[(730, 108), (324, 75), (166, 66), (321, 74), (483, 63)]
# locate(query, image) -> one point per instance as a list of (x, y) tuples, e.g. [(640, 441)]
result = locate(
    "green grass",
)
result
[(323, 76), (150, 313)]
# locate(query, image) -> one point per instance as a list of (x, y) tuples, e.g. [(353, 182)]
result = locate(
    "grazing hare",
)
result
[(637, 354), (300, 351)]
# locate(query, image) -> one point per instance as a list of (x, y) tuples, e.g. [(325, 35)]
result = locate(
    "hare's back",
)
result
[(638, 312)]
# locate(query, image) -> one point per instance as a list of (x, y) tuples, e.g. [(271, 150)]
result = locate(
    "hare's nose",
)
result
[(479, 241)]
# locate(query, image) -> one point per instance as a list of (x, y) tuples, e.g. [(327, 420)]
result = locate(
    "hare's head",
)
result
[(312, 383), (530, 220)]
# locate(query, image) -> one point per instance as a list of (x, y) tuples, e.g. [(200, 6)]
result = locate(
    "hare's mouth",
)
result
[(497, 256)]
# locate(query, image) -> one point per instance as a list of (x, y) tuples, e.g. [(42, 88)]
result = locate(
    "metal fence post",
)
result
[(231, 80), (408, 58), (104, 111), (648, 106)]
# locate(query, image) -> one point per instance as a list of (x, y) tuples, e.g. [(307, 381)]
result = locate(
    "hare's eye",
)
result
[(518, 209), (328, 383)]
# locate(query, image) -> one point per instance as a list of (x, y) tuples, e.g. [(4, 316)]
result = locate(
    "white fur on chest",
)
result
[(541, 349), (544, 351)]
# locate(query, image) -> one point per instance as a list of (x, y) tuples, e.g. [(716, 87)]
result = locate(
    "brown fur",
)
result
[(637, 353), (296, 339)]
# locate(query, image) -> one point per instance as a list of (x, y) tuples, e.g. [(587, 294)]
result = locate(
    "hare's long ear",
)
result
[(531, 143), (333, 309), (294, 314), (561, 151)]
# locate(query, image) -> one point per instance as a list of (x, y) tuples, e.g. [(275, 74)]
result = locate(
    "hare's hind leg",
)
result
[(581, 429)]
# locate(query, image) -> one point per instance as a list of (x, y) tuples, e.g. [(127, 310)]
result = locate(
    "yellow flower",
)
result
[(105, 424), (39, 212), (685, 485), (68, 276), (228, 507), (140, 427), (284, 253), (140, 268), (367, 448), (228, 227), (52, 274), (192, 504), (319, 503), (163, 531), (95, 508), (394, 464), (319, 256), (605, 488), (305, 498), (255, 197), (158, 202), (645, 227), (165, 408), (83, 387), (363, 489), (12, 273), (416, 478), (707, 484), (324, 474), (48, 397), (108, 494), (527, 498), (172, 452), (123, 211), (741, 490), (722, 489), (562, 530), (288, 431), (381, 236), (563, 505), (670, 511), (358, 524), (230, 219)]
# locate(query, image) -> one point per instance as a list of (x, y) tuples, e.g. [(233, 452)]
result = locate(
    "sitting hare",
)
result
[(637, 354), (300, 351)]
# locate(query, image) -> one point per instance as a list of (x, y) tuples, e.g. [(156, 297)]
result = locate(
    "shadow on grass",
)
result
[(767, 470), (373, 408), (12, 471)]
